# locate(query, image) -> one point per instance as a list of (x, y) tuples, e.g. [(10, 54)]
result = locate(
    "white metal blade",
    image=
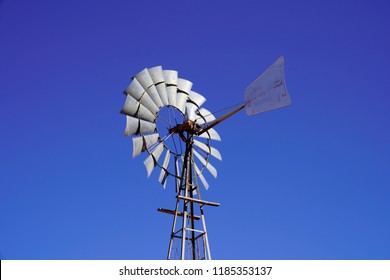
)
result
[(184, 85), (208, 165), (164, 173), (147, 127), (211, 134), (135, 89), (149, 164), (162, 91), (197, 98), (131, 126), (190, 111), (145, 114), (142, 143), (181, 99), (150, 140), (183, 88), (158, 151), (148, 102), (201, 177), (156, 73), (147, 83), (171, 92), (151, 161), (170, 77), (138, 143), (178, 175), (208, 149), (131, 106), (153, 93), (158, 78), (164, 183), (135, 109), (204, 116), (267, 92), (144, 78)]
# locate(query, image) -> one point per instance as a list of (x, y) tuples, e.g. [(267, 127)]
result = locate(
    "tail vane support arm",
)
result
[(219, 120), (266, 93)]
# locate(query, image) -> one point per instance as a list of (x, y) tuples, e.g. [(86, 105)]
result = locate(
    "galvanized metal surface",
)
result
[(150, 91), (207, 164), (208, 149), (142, 143), (201, 177), (164, 170), (267, 92)]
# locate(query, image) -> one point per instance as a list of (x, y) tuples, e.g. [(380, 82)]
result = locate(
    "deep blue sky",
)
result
[(311, 181)]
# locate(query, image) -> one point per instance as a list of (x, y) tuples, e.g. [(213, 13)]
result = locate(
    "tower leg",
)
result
[(191, 238)]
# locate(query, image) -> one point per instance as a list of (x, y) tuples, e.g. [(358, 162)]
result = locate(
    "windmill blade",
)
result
[(170, 77), (150, 140), (156, 73), (197, 98), (211, 134), (183, 91), (151, 161), (153, 93), (146, 127), (164, 171), (201, 177), (144, 78), (191, 111), (207, 164), (208, 149), (149, 164), (135, 109), (136, 126), (162, 91), (184, 85), (177, 172), (136, 90), (147, 83), (132, 125), (158, 78), (205, 116), (267, 92), (181, 99), (140, 144)]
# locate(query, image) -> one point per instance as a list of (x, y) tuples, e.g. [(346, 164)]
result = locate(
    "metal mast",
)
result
[(188, 239)]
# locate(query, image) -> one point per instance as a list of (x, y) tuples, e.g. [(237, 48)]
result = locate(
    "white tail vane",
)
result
[(168, 124), (267, 92)]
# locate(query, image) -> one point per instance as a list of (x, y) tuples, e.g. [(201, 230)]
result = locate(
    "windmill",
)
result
[(170, 125)]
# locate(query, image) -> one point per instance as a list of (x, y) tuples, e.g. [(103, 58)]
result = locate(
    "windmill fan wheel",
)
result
[(161, 112)]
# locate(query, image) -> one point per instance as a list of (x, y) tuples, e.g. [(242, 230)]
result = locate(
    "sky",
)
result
[(308, 181)]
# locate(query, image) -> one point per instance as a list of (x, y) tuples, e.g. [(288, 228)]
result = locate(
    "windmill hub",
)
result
[(188, 126)]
